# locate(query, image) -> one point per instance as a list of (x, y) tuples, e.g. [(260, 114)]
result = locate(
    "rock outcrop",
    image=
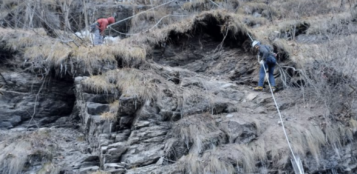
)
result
[(173, 100)]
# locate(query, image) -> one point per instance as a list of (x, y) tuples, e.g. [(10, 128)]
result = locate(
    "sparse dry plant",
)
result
[(304, 8), (100, 172), (290, 29), (329, 28), (258, 9), (229, 22), (225, 159), (99, 84), (305, 139), (48, 52), (330, 77), (198, 132), (17, 151), (111, 115), (198, 5), (147, 19), (130, 82)]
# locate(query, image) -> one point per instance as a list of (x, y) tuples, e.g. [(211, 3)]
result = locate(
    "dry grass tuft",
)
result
[(225, 159), (329, 75), (53, 54), (147, 19), (287, 47), (111, 115), (337, 134), (305, 139), (198, 132), (17, 151), (20, 39), (100, 172), (336, 24), (43, 51), (14, 156), (197, 5), (234, 24), (228, 22), (304, 8), (253, 21), (216, 165), (257, 9), (290, 29), (130, 82), (99, 84), (193, 163), (353, 125)]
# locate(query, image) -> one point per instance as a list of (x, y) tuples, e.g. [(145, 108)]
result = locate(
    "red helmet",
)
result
[(111, 20)]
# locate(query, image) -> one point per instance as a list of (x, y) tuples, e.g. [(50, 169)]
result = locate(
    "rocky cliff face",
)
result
[(177, 99)]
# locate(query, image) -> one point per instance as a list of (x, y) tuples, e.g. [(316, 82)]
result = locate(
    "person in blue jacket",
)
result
[(268, 61)]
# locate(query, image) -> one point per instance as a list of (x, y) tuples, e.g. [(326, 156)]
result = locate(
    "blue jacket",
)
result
[(264, 52)]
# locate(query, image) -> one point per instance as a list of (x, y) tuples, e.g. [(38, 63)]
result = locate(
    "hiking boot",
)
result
[(273, 88), (258, 88)]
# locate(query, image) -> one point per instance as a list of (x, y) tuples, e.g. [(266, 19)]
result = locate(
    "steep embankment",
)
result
[(178, 99)]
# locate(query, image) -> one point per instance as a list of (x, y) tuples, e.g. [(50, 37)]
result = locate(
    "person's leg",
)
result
[(101, 40), (271, 74), (97, 37), (262, 75), (271, 66)]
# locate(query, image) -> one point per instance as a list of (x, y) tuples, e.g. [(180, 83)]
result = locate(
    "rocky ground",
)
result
[(186, 107)]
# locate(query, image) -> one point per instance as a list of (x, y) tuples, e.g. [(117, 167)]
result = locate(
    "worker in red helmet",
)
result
[(99, 29)]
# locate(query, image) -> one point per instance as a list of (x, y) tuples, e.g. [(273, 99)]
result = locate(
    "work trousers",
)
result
[(98, 38), (269, 65)]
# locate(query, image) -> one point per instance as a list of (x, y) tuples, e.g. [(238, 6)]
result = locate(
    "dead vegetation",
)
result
[(148, 19), (257, 9), (198, 132), (130, 83), (100, 172), (229, 22), (327, 71), (269, 149), (41, 51), (305, 8), (111, 115), (21, 151), (333, 26), (198, 5), (68, 54)]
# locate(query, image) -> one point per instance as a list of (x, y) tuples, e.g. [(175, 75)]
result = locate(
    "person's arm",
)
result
[(102, 28), (103, 23), (93, 27)]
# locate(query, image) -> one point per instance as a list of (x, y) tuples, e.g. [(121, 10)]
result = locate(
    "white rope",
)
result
[(156, 24), (216, 4), (140, 13), (301, 171)]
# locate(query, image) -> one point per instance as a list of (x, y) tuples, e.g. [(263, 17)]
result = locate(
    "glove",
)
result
[(261, 62)]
